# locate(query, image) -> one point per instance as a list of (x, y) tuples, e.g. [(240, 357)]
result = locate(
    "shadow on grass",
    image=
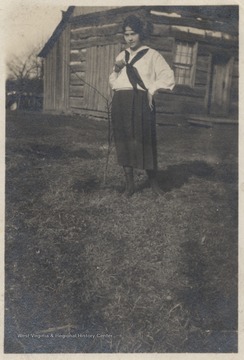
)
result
[(54, 152), (175, 176), (213, 313), (86, 185)]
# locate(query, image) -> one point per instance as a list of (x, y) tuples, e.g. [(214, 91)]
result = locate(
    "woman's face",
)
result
[(132, 38)]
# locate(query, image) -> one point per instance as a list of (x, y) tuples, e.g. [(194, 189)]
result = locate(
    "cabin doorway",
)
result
[(220, 85)]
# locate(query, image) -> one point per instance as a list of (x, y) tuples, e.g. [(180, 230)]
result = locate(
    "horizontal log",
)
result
[(119, 14), (206, 48), (183, 92), (161, 44), (157, 43), (96, 41), (78, 56), (106, 17), (76, 102), (95, 114), (202, 70), (231, 28), (161, 30), (168, 56), (76, 90), (187, 36), (171, 103), (78, 67), (201, 78), (76, 111), (87, 32), (165, 51), (217, 13), (181, 107), (215, 49), (170, 119), (77, 78), (202, 63)]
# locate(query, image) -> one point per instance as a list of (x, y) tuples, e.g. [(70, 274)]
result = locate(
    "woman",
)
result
[(138, 73)]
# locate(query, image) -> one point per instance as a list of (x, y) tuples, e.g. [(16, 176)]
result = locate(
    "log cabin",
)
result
[(200, 43)]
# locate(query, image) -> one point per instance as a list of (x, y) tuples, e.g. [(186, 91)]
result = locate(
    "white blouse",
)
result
[(152, 67)]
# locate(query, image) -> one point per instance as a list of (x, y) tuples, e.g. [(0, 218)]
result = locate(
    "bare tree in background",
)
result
[(24, 84)]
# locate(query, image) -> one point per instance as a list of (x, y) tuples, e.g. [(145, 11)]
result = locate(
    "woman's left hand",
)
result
[(150, 100)]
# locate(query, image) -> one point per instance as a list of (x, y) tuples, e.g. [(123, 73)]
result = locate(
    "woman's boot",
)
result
[(152, 176), (129, 181)]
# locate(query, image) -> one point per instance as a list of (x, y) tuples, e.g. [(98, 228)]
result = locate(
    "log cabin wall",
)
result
[(209, 38), (91, 42), (96, 39)]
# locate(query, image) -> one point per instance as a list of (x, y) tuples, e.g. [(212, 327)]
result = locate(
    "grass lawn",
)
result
[(88, 270)]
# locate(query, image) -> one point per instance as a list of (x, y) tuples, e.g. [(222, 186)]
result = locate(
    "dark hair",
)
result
[(135, 24)]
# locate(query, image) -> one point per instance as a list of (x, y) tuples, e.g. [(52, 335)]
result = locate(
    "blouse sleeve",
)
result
[(113, 76), (164, 75)]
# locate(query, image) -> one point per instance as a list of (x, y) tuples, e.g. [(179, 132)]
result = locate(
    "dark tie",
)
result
[(132, 72)]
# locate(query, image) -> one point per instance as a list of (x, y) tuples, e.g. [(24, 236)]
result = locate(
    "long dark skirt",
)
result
[(134, 128)]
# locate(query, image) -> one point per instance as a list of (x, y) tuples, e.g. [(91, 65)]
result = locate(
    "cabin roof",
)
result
[(224, 13), (66, 18), (227, 14), (57, 32)]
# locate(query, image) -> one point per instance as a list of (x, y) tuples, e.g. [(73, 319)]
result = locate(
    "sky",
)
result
[(28, 24)]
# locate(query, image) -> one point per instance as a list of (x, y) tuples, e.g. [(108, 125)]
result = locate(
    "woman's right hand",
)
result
[(118, 66)]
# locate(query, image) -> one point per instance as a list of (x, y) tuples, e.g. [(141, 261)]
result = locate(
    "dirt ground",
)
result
[(90, 271)]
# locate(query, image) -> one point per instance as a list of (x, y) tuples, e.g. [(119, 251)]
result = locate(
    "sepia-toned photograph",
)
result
[(121, 179)]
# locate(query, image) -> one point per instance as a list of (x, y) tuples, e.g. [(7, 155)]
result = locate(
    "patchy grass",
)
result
[(88, 270)]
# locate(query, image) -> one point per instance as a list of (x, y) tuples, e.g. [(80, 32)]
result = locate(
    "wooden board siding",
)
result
[(218, 94), (56, 75), (92, 74), (99, 62)]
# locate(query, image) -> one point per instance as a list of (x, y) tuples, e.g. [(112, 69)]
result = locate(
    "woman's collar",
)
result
[(142, 47)]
